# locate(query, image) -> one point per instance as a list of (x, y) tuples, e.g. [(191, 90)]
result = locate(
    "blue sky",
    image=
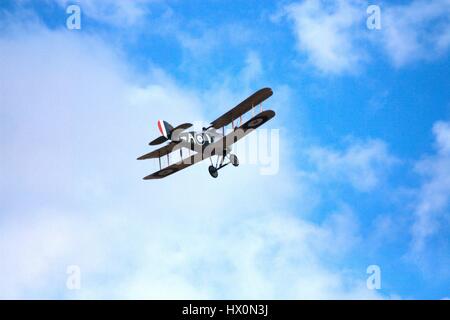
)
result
[(364, 158)]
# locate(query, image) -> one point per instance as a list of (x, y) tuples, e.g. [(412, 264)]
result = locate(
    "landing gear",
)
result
[(234, 160), (213, 171)]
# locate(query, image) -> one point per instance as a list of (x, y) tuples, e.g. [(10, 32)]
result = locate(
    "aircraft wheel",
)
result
[(234, 160), (213, 171)]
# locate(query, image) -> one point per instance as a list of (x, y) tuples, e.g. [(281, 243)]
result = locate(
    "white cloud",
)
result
[(201, 40), (73, 123), (253, 68), (326, 34), (434, 194), (335, 40), (206, 48), (441, 132), (362, 164), (416, 31)]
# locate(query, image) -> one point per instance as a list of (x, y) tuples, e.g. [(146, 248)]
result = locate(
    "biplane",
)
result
[(211, 141)]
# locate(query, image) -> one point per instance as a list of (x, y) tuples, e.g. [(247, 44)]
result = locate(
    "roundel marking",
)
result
[(256, 122), (200, 139)]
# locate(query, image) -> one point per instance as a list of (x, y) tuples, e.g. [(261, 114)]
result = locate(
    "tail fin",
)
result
[(165, 128)]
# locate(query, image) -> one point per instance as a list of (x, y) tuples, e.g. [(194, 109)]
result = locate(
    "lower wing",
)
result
[(167, 171)]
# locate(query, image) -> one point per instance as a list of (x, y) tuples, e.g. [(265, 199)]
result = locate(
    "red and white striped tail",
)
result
[(165, 128)]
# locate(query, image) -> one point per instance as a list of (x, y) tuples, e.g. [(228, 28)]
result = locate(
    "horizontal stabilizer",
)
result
[(183, 126), (158, 153), (158, 140)]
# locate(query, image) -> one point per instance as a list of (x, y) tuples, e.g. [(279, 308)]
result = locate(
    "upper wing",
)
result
[(183, 164), (241, 108), (240, 132), (158, 153)]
